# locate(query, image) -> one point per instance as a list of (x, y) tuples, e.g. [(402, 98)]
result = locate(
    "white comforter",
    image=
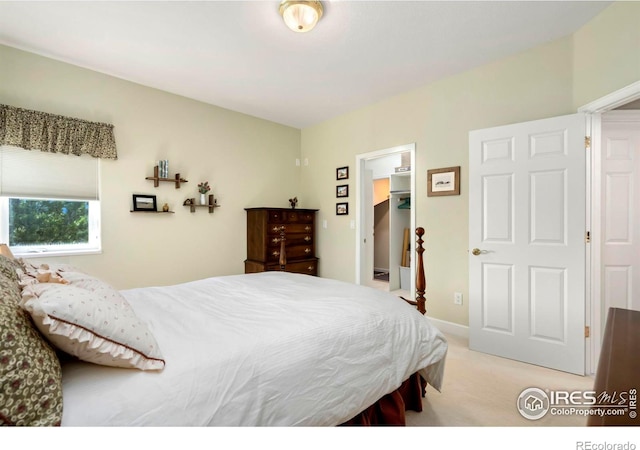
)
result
[(268, 349)]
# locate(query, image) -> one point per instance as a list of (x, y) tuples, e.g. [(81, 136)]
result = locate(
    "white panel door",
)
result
[(620, 203), (527, 196)]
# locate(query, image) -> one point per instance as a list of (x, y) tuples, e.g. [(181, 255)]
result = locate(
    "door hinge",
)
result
[(587, 142), (587, 237), (587, 331)]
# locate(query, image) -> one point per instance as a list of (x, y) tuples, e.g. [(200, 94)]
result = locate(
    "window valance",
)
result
[(35, 130)]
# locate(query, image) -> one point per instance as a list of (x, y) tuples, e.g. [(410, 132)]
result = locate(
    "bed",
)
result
[(263, 349)]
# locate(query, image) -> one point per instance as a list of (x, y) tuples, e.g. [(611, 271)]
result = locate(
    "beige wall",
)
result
[(251, 162), (543, 82), (248, 162), (607, 53)]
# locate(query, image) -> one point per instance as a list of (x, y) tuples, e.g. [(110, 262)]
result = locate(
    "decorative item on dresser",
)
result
[(281, 239)]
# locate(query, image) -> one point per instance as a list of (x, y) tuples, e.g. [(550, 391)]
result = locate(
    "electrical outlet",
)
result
[(457, 298), (298, 162)]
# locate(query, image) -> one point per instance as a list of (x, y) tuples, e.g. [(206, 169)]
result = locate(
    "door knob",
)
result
[(476, 251)]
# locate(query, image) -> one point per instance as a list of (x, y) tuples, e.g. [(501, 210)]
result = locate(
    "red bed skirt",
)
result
[(390, 409)]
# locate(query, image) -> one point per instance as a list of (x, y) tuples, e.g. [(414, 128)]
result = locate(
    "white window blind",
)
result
[(37, 174)]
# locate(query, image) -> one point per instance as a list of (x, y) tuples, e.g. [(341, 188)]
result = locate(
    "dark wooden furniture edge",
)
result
[(618, 373), (283, 264)]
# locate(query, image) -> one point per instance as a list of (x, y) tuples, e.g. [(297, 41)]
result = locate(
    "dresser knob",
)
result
[(307, 228), (310, 268), (275, 240), (276, 253), (307, 250), (307, 238)]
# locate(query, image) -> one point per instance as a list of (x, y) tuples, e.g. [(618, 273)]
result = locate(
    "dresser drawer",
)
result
[(288, 228), (309, 267), (291, 239), (291, 216), (293, 252)]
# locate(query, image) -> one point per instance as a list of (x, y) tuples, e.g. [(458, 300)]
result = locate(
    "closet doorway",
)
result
[(385, 184)]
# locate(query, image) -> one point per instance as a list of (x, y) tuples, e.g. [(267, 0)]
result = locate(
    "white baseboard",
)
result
[(451, 328)]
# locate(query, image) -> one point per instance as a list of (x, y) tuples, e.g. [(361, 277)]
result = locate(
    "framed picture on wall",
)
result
[(342, 173), (144, 202), (342, 190), (444, 181), (342, 209)]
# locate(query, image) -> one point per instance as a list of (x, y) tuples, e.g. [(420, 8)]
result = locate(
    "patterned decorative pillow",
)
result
[(10, 290), (9, 267), (30, 372), (97, 326)]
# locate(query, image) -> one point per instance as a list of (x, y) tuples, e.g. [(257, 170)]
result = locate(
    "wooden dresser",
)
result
[(281, 239)]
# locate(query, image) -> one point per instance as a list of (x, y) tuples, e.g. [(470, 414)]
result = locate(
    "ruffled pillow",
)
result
[(96, 324), (29, 273)]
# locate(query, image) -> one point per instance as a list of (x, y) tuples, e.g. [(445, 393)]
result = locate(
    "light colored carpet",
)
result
[(482, 390)]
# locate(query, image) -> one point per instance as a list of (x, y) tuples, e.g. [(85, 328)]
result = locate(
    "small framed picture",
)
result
[(444, 181), (342, 173), (144, 202), (342, 209), (342, 190)]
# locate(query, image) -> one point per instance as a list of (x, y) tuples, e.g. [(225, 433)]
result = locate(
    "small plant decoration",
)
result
[(293, 202), (204, 187)]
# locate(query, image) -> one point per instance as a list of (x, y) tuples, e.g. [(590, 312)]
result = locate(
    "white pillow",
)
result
[(97, 326)]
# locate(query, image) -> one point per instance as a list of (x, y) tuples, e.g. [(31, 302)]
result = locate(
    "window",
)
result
[(49, 203)]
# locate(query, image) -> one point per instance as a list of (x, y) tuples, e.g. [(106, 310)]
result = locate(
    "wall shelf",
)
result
[(154, 212), (156, 179), (191, 203)]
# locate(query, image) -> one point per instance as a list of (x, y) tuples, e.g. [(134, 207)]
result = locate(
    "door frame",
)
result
[(594, 111), (361, 161)]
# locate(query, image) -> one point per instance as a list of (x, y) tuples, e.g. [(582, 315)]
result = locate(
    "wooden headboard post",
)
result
[(421, 285), (283, 253)]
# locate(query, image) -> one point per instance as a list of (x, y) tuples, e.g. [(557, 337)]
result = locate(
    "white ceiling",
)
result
[(239, 54)]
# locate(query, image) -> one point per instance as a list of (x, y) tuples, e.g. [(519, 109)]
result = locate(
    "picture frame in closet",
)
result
[(342, 191)]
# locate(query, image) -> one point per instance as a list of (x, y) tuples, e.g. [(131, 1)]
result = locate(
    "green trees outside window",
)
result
[(47, 222)]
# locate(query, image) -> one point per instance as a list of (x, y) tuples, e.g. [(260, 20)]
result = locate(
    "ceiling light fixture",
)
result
[(301, 16)]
